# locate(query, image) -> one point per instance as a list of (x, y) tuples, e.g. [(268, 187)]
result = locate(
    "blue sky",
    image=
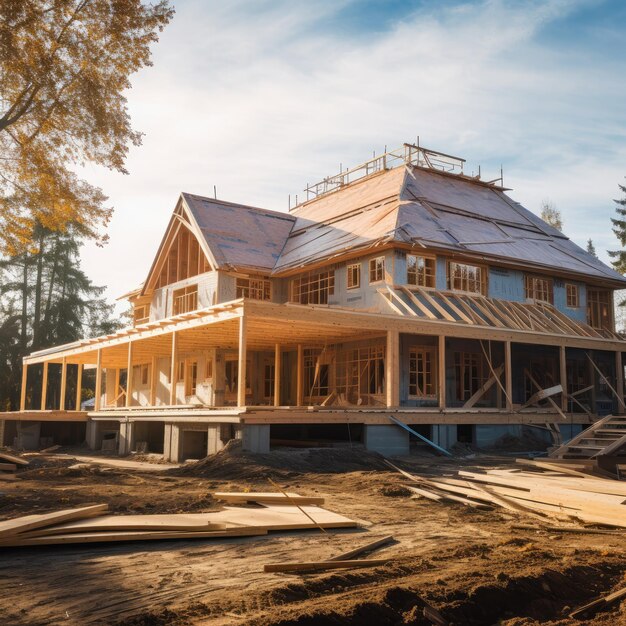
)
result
[(259, 98)]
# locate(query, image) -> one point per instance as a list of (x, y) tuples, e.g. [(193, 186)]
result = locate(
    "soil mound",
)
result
[(233, 463)]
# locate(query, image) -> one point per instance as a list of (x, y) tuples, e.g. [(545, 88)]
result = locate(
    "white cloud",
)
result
[(259, 98)]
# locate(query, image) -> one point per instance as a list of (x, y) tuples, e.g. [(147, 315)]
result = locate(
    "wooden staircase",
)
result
[(603, 438)]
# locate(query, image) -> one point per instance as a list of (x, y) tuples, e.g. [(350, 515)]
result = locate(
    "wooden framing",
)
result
[(563, 376), (174, 368), (24, 384), (241, 367), (44, 386), (508, 376), (63, 384), (98, 390), (619, 377), (441, 371), (79, 385), (392, 369), (300, 376), (129, 375), (277, 373)]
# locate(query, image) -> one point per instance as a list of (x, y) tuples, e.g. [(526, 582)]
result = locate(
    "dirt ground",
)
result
[(471, 565)]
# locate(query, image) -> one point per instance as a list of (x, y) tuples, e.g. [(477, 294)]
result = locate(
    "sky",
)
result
[(259, 98)]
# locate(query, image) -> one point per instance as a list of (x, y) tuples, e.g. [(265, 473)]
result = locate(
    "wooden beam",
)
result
[(173, 368), (508, 376), (44, 386), (63, 384), (153, 380), (441, 369), (299, 377), (277, 367), (563, 376), (241, 370), (23, 390), (129, 375), (619, 376), (392, 373), (79, 385), (543, 394), (98, 390)]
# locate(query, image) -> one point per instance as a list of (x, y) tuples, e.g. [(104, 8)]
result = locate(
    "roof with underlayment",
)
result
[(406, 205)]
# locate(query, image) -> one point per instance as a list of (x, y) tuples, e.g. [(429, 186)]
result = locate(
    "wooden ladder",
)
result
[(604, 437)]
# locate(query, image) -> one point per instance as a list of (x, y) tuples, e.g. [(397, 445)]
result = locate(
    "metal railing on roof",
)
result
[(408, 154)]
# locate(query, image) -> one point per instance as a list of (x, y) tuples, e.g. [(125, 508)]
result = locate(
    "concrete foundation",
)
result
[(256, 438), (386, 440), (444, 435)]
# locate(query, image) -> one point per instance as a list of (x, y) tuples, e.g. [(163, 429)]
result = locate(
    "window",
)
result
[(313, 288), (315, 374), (377, 269), (185, 299), (421, 375), (420, 271), (538, 288), (191, 380), (470, 278), (141, 314), (268, 380), (361, 374), (255, 288), (232, 377), (571, 291), (599, 307), (354, 276), (469, 374), (209, 369)]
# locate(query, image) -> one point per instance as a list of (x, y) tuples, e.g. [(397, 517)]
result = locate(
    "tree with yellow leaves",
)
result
[(64, 67)]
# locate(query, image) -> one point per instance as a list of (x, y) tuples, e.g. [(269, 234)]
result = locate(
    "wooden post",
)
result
[(23, 391), (619, 377), (392, 374), (116, 390), (241, 369), (300, 377), (63, 384), (508, 375), (441, 367), (563, 376), (98, 391), (44, 386), (153, 380), (277, 367), (174, 368), (79, 384), (129, 375)]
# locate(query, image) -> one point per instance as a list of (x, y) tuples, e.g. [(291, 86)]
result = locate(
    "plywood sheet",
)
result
[(267, 497)]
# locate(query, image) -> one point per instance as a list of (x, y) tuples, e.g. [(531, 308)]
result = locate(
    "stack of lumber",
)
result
[(93, 524), (8, 465), (540, 490)]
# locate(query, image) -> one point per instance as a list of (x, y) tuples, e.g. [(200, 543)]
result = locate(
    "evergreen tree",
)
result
[(551, 215), (591, 248), (47, 300), (619, 228)]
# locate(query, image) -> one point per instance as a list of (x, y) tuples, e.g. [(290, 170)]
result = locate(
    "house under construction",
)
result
[(402, 289)]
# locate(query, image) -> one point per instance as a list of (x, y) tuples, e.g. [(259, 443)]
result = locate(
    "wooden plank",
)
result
[(173, 368), (436, 305), (108, 537), (12, 527), (441, 371), (598, 604), (278, 358), (419, 304), (267, 497), (392, 366), (129, 375), (98, 389), (5, 456), (323, 565), (242, 363), (63, 384), (79, 386), (299, 376), (8, 467), (508, 376), (368, 547), (118, 523), (543, 394)]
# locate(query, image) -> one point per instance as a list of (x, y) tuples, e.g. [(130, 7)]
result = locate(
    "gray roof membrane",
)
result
[(407, 204)]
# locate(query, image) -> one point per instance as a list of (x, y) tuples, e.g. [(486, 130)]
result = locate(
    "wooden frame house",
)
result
[(401, 288)]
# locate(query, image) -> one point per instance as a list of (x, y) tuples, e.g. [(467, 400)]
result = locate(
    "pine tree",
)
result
[(47, 300), (591, 248), (551, 215), (619, 228)]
